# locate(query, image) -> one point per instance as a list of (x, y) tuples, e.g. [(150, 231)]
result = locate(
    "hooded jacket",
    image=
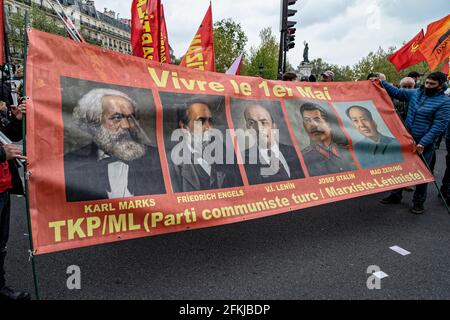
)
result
[(428, 115)]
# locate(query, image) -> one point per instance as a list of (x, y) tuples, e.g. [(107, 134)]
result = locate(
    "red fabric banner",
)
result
[(120, 147), (145, 29), (165, 48), (200, 54), (435, 46), (409, 54), (446, 68)]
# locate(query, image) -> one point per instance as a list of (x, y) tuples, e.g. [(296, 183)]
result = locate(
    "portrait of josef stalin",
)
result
[(329, 149)]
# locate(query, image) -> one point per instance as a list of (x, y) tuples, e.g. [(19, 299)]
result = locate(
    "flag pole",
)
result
[(27, 174)]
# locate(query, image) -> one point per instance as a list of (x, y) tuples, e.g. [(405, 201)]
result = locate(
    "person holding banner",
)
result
[(273, 161), (195, 171), (328, 151), (375, 149), (427, 119), (10, 183), (120, 161)]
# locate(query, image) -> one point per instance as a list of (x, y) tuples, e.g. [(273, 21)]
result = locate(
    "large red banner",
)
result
[(200, 54), (121, 147), (146, 29), (165, 47)]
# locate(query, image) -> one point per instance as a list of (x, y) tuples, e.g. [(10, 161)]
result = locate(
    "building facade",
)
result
[(104, 29)]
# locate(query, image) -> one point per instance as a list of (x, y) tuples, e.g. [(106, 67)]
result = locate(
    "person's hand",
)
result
[(19, 111), (13, 151), (420, 148), (3, 106)]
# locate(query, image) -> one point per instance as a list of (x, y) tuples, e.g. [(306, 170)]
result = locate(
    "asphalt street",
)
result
[(317, 253)]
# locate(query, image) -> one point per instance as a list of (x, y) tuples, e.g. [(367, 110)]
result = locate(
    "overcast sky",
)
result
[(338, 31)]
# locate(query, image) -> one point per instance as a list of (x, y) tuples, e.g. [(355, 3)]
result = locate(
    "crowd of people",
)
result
[(10, 183)]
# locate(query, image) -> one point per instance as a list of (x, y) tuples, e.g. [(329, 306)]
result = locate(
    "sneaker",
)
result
[(417, 208), (391, 200), (6, 293)]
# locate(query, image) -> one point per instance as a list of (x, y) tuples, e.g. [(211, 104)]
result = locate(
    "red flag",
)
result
[(409, 54), (446, 68), (200, 54), (435, 46), (235, 68), (145, 29), (2, 34), (165, 48)]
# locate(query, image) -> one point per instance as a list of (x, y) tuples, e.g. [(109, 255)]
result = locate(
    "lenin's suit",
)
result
[(87, 177), (254, 173)]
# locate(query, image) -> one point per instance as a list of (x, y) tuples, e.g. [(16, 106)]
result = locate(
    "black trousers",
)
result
[(445, 188), (5, 212)]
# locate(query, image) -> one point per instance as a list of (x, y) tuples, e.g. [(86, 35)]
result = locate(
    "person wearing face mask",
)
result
[(198, 170), (427, 119), (416, 76), (402, 106)]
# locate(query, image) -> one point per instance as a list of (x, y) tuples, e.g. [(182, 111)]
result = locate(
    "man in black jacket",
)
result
[(10, 183)]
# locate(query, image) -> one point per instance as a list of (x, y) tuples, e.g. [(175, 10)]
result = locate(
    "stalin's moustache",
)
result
[(316, 130)]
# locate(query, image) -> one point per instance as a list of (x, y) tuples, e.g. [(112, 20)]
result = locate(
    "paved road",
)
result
[(317, 253)]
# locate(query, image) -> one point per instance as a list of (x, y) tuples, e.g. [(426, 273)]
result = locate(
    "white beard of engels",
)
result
[(124, 145)]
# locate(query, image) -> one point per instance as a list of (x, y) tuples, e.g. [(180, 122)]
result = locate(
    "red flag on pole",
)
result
[(435, 46), (2, 33), (409, 54), (165, 48), (200, 54), (235, 68), (446, 68), (145, 29)]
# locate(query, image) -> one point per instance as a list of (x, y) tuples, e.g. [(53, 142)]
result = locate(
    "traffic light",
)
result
[(287, 36), (289, 25), (290, 38), (290, 13)]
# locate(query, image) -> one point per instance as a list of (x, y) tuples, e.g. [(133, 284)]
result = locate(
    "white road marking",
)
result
[(380, 274), (399, 250)]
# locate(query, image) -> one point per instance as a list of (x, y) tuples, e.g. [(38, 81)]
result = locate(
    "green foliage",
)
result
[(37, 18), (229, 43), (373, 62), (88, 38), (263, 60)]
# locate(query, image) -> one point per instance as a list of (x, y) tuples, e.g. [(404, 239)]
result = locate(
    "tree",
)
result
[(263, 60), (229, 43), (377, 62), (373, 62), (38, 19)]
